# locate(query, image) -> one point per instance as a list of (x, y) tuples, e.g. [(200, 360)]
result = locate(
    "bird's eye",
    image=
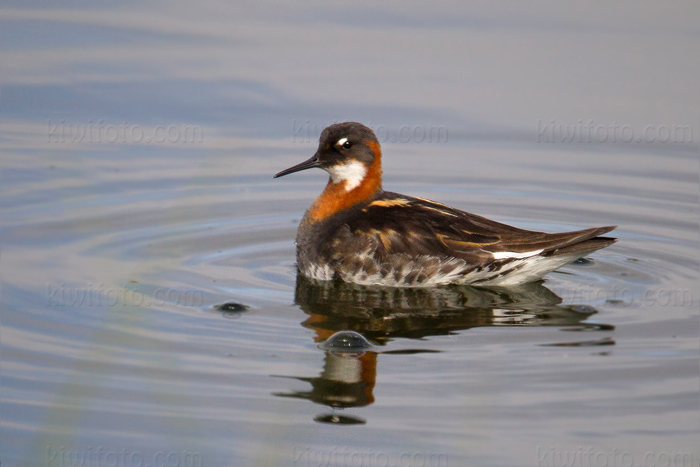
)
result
[(344, 143)]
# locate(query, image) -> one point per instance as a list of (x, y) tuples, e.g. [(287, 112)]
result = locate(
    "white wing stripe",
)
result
[(514, 255)]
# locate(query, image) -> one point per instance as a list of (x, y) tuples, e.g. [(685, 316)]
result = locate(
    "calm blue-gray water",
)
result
[(138, 142)]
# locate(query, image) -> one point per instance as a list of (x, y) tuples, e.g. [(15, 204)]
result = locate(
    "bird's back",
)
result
[(399, 240)]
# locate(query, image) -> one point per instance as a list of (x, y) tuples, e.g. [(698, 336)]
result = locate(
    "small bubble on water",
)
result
[(346, 341), (231, 307), (339, 419), (230, 310)]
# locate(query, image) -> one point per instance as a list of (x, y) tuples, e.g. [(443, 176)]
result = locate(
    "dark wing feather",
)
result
[(396, 224)]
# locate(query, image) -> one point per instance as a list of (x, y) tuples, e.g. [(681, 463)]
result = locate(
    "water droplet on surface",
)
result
[(230, 310), (231, 307), (339, 419), (344, 343)]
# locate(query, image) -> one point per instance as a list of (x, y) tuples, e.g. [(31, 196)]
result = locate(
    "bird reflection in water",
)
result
[(381, 314)]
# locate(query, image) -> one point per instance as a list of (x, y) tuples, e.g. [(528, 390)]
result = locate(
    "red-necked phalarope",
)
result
[(360, 233)]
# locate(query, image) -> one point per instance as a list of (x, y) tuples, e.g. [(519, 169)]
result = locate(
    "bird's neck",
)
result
[(342, 194)]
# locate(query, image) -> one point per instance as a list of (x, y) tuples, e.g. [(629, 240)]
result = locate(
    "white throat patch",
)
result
[(351, 173)]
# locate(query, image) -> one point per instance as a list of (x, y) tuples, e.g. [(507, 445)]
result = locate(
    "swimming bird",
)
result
[(357, 232)]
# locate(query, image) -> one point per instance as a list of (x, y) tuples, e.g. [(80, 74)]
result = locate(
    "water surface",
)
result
[(117, 255)]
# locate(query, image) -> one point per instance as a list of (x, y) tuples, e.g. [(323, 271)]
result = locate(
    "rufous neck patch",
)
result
[(338, 195)]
